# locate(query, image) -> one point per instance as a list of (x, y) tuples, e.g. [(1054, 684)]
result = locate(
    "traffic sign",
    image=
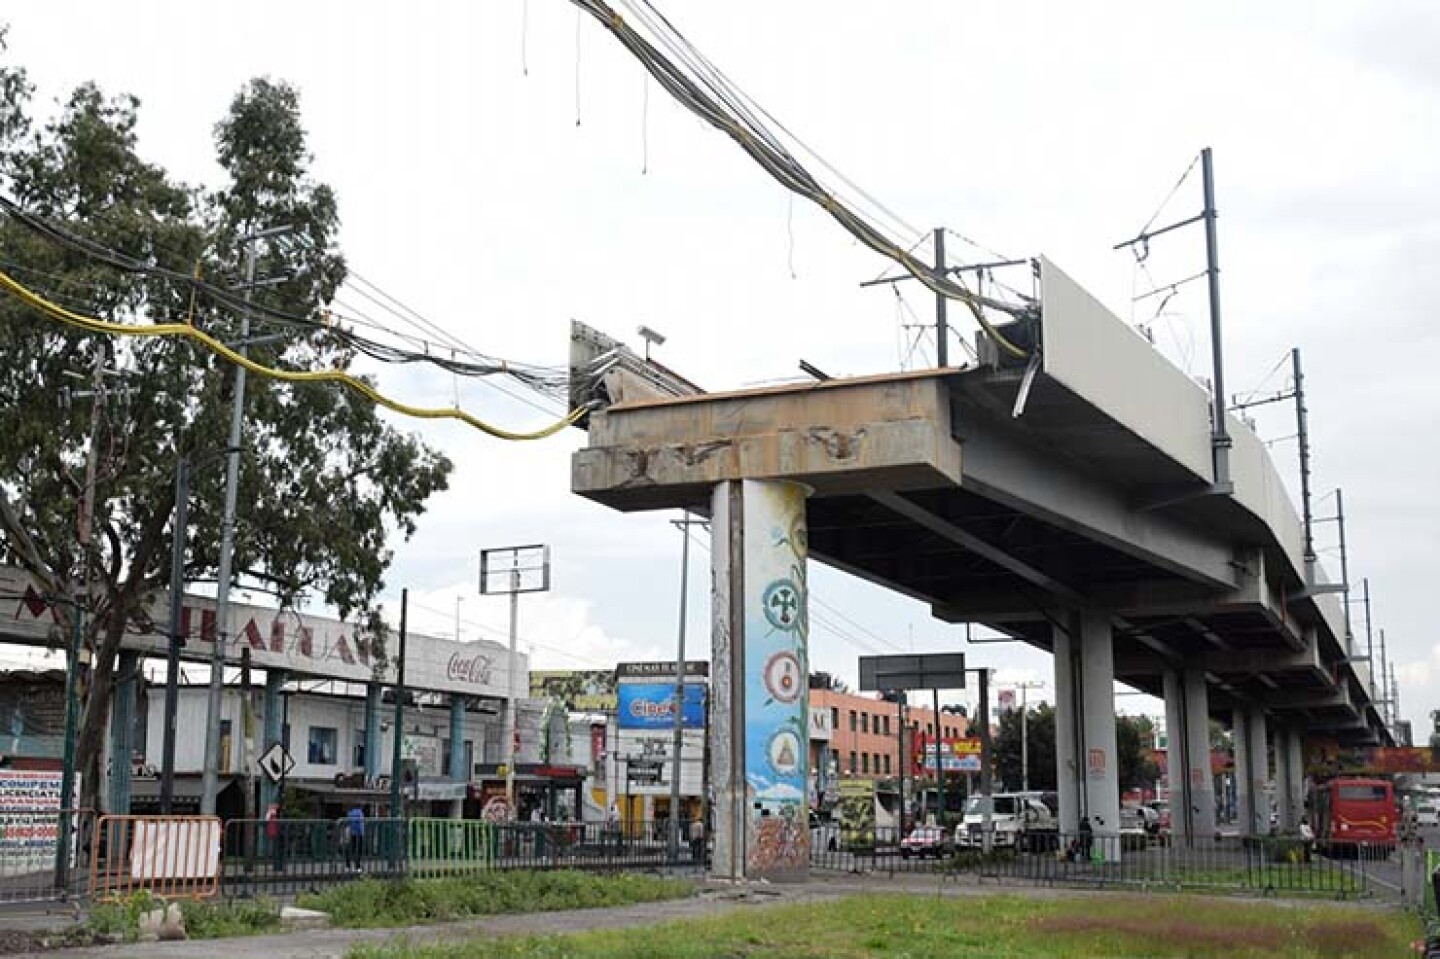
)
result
[(277, 763)]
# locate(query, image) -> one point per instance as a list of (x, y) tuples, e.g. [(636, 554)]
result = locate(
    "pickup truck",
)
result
[(1019, 821)]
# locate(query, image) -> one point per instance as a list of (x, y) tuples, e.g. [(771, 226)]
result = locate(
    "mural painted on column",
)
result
[(776, 667)]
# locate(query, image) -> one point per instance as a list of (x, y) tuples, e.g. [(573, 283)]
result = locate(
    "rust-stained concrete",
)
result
[(838, 436)]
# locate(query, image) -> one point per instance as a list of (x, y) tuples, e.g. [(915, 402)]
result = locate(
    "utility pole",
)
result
[(900, 750), (1220, 438), (678, 715), (1370, 642), (396, 755), (1220, 441), (78, 609), (1025, 732), (178, 526), (942, 329), (939, 765), (211, 780), (1384, 671), (511, 706), (1302, 436), (987, 784), (1345, 570)]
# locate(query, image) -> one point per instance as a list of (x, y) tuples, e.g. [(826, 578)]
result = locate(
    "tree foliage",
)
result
[(323, 480), (1133, 738)]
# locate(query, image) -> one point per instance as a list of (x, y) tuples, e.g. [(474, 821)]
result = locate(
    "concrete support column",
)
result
[(1102, 770), (759, 673), (1177, 758), (374, 753), (1246, 801), (1197, 748), (272, 715), (1289, 778), (1258, 773), (1067, 732), (457, 770), (1085, 753), (122, 732), (1295, 776)]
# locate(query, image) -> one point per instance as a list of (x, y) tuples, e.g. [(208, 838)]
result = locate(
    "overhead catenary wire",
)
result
[(95, 325), (713, 100)]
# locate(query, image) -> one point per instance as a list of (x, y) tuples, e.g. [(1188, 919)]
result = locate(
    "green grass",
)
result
[(1001, 927), (203, 920), (371, 903)]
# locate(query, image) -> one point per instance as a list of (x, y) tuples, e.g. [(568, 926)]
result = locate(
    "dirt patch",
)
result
[(1170, 931), (1355, 937)]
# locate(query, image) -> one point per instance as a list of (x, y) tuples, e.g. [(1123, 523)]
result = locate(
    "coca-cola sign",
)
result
[(469, 669)]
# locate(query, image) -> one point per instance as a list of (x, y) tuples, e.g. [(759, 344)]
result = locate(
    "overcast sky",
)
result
[(504, 166)]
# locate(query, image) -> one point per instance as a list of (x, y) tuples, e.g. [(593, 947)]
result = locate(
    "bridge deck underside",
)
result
[(1248, 654)]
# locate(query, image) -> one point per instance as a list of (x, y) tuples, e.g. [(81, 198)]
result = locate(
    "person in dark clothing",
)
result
[(354, 837)]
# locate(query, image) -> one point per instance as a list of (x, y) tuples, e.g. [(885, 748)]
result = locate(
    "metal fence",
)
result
[(1265, 865), (288, 856), (173, 857)]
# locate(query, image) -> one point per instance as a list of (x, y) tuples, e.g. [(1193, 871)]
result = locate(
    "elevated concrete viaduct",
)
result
[(1072, 505)]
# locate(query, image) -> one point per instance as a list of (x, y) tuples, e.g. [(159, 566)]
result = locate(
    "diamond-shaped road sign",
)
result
[(276, 763)]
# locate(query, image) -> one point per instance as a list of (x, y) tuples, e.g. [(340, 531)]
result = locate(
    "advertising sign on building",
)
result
[(652, 706), (662, 669), (29, 820), (581, 690), (279, 639), (956, 755), (821, 727)]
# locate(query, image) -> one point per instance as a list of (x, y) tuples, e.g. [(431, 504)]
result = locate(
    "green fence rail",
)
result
[(450, 847)]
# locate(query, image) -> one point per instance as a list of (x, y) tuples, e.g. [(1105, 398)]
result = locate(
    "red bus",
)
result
[(1351, 811)]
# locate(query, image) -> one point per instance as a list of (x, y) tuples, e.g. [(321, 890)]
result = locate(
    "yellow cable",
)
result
[(94, 325)]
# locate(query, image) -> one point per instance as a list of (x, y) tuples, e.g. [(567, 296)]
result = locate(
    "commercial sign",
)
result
[(660, 670), (645, 764), (277, 639), (821, 728), (581, 690), (29, 820), (652, 706), (956, 755)]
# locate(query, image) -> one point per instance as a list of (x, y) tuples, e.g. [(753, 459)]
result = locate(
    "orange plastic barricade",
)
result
[(173, 857)]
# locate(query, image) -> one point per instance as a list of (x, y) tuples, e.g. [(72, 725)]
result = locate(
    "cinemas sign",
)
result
[(278, 639)]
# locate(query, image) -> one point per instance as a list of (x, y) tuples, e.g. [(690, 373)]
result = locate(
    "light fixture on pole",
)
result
[(651, 337), (513, 570)]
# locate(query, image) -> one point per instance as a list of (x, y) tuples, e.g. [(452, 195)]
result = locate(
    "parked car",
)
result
[(1134, 831), (1161, 808), (926, 841), (1427, 814)]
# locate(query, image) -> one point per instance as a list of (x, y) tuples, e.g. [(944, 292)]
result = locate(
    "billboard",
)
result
[(651, 706), (30, 820), (956, 755), (581, 690)]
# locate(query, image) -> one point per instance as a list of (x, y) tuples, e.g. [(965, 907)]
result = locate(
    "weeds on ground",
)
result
[(371, 902)]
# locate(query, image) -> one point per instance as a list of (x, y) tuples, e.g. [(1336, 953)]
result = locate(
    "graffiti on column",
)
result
[(776, 678)]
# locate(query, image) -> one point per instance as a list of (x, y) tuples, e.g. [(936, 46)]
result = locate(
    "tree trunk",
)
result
[(95, 711)]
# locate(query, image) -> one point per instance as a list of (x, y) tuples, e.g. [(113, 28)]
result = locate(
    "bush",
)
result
[(372, 902), (121, 917), (212, 920)]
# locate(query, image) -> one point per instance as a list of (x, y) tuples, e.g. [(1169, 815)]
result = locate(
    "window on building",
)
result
[(834, 717), (864, 722), (323, 745), (852, 758), (226, 745), (864, 762), (887, 764), (885, 721), (929, 729), (445, 757), (852, 720), (357, 757)]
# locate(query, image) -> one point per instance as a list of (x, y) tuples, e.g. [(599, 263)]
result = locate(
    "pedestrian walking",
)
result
[(354, 837)]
